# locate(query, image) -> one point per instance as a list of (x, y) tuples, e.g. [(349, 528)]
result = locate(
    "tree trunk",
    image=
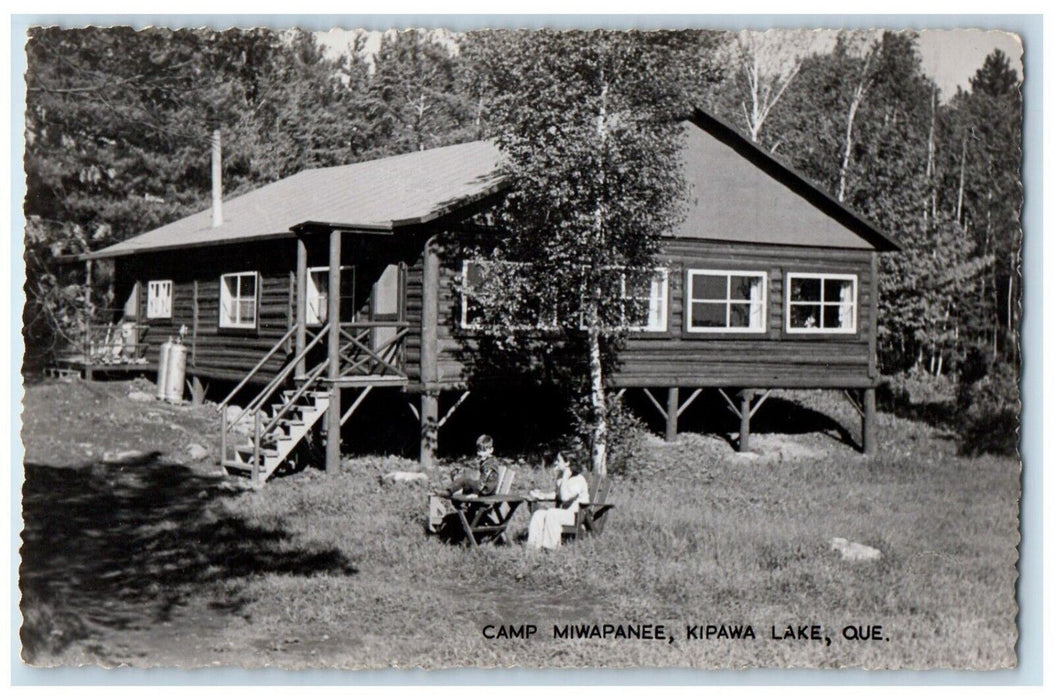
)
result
[(931, 150), (1011, 341), (962, 184), (854, 105), (597, 398)]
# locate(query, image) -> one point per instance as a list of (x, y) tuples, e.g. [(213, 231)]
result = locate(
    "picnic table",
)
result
[(485, 518)]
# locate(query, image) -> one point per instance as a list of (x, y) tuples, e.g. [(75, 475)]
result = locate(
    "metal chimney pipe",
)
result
[(217, 179)]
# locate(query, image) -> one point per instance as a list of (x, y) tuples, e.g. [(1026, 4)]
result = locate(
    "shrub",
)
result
[(627, 439), (990, 412)]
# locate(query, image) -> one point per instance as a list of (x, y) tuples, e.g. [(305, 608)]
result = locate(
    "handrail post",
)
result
[(223, 436), (256, 445)]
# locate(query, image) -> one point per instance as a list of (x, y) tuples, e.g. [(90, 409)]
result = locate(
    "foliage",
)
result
[(990, 410), (864, 122), (413, 96), (628, 439), (591, 143)]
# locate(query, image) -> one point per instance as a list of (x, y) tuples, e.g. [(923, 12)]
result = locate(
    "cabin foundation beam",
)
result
[(673, 400), (453, 409), (429, 428), (869, 429), (429, 355), (745, 397), (744, 411), (333, 414)]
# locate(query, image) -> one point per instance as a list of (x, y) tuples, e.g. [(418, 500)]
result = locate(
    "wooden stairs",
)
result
[(273, 434), (261, 438)]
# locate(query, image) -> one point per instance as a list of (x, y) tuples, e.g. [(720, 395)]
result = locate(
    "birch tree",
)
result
[(766, 64), (591, 146)]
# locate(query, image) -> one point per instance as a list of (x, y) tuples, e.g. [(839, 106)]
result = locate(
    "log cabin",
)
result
[(767, 283)]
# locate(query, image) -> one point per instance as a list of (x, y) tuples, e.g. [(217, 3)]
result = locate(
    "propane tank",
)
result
[(162, 367), (176, 372)]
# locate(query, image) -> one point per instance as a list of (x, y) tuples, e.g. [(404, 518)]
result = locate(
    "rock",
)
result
[(140, 396), (854, 551), (196, 452), (124, 456), (397, 476), (245, 427)]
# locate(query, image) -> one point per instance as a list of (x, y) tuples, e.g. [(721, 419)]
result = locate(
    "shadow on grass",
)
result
[(779, 416), (937, 414), (121, 547)]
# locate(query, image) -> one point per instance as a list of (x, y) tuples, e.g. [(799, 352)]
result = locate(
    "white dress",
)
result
[(546, 525)]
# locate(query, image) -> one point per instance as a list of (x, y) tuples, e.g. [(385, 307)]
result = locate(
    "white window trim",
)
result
[(241, 325), (307, 292), (150, 296), (689, 288), (665, 324), (465, 298), (791, 276)]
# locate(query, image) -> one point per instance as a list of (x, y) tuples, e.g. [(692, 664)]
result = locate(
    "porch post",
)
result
[(429, 363), (869, 429), (333, 370), (673, 404), (300, 317), (744, 419)]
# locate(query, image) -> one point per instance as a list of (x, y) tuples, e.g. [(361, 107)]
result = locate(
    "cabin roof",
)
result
[(376, 195), (739, 193)]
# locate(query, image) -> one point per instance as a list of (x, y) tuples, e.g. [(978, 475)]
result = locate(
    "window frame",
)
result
[(822, 276), (307, 292), (664, 294), (167, 314), (689, 287), (466, 297), (240, 326)]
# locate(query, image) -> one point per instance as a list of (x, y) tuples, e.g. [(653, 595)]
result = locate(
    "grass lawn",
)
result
[(166, 563)]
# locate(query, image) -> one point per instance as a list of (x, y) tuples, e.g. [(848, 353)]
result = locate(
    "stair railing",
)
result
[(254, 370), (258, 401), (312, 376)]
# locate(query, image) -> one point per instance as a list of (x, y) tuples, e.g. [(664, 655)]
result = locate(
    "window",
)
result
[(238, 293), (318, 293), (487, 281), (641, 304), (725, 301), (821, 303), (159, 299)]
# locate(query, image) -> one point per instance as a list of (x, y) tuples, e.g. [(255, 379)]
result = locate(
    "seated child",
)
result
[(478, 478)]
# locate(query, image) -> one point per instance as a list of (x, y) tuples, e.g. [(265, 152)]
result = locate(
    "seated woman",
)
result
[(572, 490)]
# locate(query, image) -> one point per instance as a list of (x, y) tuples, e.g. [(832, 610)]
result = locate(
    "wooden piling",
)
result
[(429, 354), (673, 404), (300, 316), (869, 431), (333, 370), (745, 397)]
